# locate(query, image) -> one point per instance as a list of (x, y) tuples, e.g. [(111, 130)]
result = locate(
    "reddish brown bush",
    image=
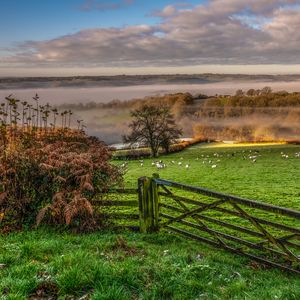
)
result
[(53, 181)]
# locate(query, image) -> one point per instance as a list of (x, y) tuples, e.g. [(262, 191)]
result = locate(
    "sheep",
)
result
[(160, 165)]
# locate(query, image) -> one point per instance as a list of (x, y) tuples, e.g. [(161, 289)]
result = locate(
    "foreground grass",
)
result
[(133, 266)]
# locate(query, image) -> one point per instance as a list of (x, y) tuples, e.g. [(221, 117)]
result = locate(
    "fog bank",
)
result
[(58, 96)]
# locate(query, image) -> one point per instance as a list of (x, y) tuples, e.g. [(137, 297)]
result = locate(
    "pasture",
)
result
[(124, 265), (268, 173)]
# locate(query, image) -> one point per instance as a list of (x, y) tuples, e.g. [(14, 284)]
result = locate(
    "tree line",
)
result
[(254, 115), (166, 100)]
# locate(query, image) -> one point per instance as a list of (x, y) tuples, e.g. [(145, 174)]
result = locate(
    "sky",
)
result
[(94, 37)]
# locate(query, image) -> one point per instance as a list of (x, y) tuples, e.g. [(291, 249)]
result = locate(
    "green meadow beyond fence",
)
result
[(262, 232)]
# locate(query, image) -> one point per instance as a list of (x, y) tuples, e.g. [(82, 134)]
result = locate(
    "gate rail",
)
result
[(120, 207), (263, 232)]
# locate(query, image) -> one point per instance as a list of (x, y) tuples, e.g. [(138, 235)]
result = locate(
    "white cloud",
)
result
[(216, 33)]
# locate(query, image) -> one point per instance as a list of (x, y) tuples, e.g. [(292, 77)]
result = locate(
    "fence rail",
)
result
[(263, 232), (251, 203), (114, 210)]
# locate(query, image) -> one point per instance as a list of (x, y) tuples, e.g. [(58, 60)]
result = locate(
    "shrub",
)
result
[(53, 180)]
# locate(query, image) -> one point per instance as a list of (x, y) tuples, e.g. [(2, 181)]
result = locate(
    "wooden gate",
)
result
[(262, 232)]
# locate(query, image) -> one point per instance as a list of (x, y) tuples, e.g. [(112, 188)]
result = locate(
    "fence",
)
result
[(262, 232), (120, 207)]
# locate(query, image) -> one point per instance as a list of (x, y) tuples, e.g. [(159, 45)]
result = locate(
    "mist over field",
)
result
[(73, 94), (109, 124)]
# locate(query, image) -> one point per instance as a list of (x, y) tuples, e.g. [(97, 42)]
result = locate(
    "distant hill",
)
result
[(129, 80)]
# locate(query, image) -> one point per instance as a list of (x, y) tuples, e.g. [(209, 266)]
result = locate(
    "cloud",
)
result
[(170, 10), (240, 32), (90, 5)]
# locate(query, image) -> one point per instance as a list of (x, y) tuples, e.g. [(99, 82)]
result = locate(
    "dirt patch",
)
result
[(45, 291), (122, 245)]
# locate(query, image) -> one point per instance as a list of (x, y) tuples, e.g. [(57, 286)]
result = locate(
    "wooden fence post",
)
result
[(148, 204)]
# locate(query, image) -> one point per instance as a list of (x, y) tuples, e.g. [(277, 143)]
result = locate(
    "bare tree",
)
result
[(153, 126)]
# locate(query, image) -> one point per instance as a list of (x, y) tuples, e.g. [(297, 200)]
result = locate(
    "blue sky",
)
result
[(40, 37), (45, 19)]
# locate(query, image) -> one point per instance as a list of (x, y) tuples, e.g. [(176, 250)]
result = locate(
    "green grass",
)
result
[(270, 179), (161, 266), (156, 266)]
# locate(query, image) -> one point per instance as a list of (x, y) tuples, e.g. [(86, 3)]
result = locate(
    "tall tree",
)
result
[(153, 126)]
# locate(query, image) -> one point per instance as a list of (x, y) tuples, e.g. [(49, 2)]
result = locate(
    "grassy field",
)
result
[(271, 178), (127, 265)]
